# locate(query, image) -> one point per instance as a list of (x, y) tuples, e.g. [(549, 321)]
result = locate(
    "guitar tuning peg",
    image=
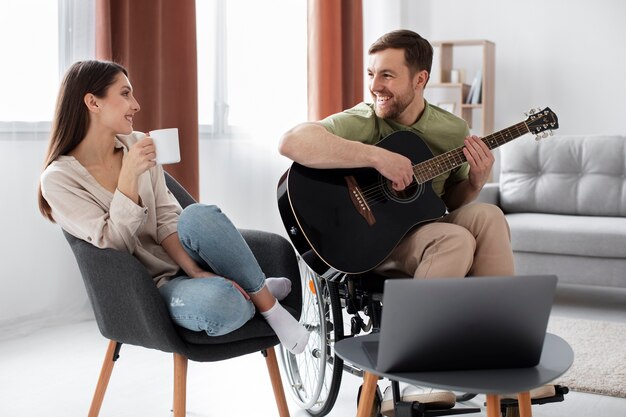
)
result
[(537, 138), (550, 132)]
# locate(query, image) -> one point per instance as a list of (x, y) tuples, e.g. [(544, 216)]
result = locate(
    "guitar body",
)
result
[(321, 212)]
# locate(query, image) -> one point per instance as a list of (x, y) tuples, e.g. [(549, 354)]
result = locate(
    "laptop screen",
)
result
[(463, 323)]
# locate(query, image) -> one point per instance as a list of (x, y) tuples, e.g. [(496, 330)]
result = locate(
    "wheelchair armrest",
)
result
[(277, 258), (125, 300)]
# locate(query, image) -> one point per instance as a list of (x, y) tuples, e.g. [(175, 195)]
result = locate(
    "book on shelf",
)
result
[(474, 95)]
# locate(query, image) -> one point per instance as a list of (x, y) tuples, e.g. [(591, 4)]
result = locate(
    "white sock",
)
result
[(292, 335), (279, 287)]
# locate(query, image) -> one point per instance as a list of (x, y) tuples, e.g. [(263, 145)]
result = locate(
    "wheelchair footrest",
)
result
[(559, 392), (417, 409)]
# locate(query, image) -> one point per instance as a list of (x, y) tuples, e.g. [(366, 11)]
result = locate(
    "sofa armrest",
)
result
[(490, 194)]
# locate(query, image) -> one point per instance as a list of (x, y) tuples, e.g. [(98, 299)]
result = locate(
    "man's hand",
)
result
[(395, 167), (480, 159)]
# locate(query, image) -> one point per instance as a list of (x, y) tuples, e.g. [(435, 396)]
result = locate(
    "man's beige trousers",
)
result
[(473, 240)]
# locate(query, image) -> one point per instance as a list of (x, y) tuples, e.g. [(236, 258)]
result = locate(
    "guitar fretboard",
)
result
[(427, 170)]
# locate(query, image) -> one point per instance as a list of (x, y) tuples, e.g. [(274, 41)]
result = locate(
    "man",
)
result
[(472, 239)]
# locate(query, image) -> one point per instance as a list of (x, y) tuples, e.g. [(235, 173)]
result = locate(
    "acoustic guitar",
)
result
[(352, 218)]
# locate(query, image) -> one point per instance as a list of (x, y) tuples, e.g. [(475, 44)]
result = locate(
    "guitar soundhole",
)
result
[(408, 195)]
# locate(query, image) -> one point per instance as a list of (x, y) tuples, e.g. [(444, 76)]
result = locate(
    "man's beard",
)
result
[(398, 106)]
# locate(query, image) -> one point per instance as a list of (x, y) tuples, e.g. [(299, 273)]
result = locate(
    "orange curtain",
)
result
[(335, 68), (156, 41)]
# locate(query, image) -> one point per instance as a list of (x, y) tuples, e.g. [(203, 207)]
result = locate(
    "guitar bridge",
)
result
[(359, 201)]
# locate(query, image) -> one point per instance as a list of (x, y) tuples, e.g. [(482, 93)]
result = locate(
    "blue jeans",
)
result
[(213, 304)]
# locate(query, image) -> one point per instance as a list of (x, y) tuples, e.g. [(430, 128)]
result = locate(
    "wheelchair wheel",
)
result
[(314, 376)]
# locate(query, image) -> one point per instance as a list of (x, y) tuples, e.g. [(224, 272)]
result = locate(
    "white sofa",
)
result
[(565, 201)]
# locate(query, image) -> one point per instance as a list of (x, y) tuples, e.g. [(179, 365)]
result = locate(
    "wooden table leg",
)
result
[(366, 401), (523, 402), (493, 405)]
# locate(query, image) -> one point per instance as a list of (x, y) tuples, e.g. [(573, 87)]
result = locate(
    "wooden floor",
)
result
[(52, 373)]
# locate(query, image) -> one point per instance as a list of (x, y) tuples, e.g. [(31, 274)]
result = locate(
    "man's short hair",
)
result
[(418, 52)]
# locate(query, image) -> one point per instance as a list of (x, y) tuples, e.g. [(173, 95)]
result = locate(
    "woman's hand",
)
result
[(200, 273), (206, 274), (138, 159)]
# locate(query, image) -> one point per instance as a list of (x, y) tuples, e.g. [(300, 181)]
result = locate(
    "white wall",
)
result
[(565, 54), (241, 176), (40, 284)]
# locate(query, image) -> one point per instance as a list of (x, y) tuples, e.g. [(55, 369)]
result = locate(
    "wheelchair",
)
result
[(335, 306)]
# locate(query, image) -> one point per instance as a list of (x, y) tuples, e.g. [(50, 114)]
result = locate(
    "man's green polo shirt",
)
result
[(439, 129)]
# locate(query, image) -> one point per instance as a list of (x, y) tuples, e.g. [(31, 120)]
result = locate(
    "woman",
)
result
[(101, 184)]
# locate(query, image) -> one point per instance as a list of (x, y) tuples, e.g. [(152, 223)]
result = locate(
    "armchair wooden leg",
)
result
[(180, 385), (103, 380), (277, 384)]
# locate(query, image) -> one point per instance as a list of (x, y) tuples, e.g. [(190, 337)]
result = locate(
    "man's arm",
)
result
[(310, 144), (480, 159)]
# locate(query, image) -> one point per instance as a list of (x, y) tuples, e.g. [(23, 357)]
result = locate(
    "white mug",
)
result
[(166, 144)]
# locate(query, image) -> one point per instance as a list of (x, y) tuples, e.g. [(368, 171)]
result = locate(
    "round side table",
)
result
[(556, 358)]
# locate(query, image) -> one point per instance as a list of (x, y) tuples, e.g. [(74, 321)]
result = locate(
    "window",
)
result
[(251, 61), (28, 79), (252, 66), (40, 38)]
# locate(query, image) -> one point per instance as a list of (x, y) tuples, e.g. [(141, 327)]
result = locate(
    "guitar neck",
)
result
[(427, 170)]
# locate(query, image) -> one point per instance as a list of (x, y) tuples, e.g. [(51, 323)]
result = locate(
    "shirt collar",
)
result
[(420, 126), (422, 123)]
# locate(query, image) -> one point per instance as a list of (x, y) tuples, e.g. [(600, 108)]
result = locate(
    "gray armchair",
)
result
[(129, 309)]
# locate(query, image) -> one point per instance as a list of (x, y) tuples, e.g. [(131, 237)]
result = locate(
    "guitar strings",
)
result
[(374, 194)]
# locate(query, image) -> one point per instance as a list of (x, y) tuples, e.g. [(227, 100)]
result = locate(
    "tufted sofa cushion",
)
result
[(576, 175)]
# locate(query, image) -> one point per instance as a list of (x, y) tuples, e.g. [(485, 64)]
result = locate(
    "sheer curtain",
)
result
[(259, 88), (40, 282)]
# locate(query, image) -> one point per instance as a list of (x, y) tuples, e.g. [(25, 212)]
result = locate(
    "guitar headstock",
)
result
[(541, 121)]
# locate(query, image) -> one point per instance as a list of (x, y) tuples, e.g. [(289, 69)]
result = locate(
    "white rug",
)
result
[(599, 355)]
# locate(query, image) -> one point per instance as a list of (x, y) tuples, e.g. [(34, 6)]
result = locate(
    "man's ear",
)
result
[(91, 102), (421, 78)]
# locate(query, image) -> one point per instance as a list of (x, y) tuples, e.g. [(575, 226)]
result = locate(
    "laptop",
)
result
[(462, 323)]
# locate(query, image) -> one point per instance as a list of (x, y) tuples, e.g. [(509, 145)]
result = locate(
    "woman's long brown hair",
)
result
[(71, 118)]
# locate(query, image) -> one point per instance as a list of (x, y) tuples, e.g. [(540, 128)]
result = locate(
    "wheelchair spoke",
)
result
[(312, 375)]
